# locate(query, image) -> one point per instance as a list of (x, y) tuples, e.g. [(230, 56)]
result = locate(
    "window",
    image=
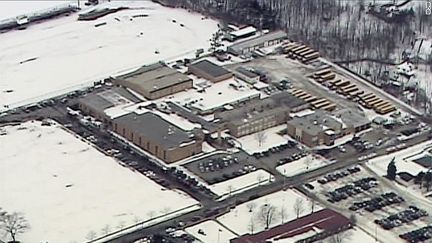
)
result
[(164, 154), (156, 149), (148, 145), (139, 140)]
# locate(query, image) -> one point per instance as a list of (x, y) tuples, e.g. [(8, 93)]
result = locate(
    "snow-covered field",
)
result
[(250, 143), (66, 188), (13, 8), (302, 165), (210, 232), (242, 183), (242, 221), (64, 54)]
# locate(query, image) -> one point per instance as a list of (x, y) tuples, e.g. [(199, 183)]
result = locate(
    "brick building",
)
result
[(158, 136), (322, 128), (155, 81), (258, 115), (96, 104), (307, 229), (209, 70)]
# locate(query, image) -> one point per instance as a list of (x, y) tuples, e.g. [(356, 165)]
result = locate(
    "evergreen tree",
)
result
[(391, 170)]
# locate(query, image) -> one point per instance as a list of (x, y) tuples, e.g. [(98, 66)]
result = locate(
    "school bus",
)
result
[(356, 93), (290, 46), (341, 84), (366, 96), (323, 104), (386, 109), (375, 102), (304, 96), (317, 102), (370, 100), (346, 91), (323, 71), (310, 57), (329, 107), (348, 86), (380, 106), (294, 50), (329, 76), (310, 99), (307, 51), (298, 94), (382, 102), (296, 91)]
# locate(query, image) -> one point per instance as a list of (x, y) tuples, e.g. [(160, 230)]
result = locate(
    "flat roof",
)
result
[(316, 123), (155, 128), (116, 96), (326, 220), (273, 104), (155, 77), (245, 31), (258, 40), (352, 118), (210, 68), (216, 95), (246, 72)]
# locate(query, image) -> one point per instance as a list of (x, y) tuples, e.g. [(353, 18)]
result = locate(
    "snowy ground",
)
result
[(302, 165), (65, 54), (251, 145), (211, 232), (242, 183), (11, 9), (354, 235), (51, 176), (242, 221), (403, 160)]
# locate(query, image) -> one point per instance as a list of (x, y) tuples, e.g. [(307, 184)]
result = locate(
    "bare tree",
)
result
[(121, 225), (91, 235), (106, 229), (340, 237), (230, 189), (151, 214), (308, 162), (251, 225), (283, 214), (251, 206), (14, 224), (260, 177), (260, 137), (266, 215), (312, 203), (298, 207)]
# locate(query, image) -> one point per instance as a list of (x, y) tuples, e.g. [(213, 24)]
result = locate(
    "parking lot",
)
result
[(358, 192), (281, 154), (220, 167)]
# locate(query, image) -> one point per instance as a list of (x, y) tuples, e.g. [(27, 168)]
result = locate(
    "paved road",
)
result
[(210, 207), (278, 185)]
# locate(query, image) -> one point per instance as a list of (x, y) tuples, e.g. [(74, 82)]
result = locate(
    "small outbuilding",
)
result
[(209, 70)]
